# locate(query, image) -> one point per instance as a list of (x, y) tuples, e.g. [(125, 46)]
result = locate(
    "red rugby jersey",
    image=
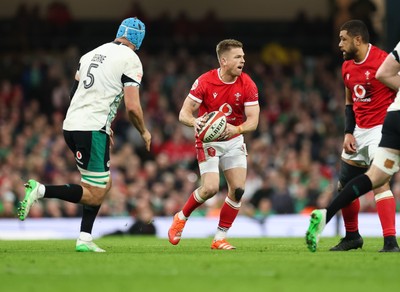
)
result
[(371, 98), (229, 98)]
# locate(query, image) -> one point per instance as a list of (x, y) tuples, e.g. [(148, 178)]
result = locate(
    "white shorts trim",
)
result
[(96, 179)]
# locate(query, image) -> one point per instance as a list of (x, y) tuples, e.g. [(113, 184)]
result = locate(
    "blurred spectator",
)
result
[(58, 17), (364, 10), (210, 27), (282, 202), (264, 192), (183, 29), (340, 13), (136, 10)]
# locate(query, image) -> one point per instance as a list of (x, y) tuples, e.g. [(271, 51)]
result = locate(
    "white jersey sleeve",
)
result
[(133, 72), (395, 106), (103, 73), (396, 52)]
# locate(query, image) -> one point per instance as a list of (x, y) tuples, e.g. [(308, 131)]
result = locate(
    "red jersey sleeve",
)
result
[(251, 97), (197, 91)]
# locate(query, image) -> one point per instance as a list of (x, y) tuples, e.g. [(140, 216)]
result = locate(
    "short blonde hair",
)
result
[(226, 45)]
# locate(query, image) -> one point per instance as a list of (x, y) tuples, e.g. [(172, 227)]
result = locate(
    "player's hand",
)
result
[(146, 136), (349, 144), (229, 132), (199, 122)]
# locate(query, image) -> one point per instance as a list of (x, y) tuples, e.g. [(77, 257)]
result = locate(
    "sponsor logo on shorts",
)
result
[(108, 163), (78, 157)]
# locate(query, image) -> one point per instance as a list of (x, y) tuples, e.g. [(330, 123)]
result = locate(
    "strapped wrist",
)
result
[(349, 120)]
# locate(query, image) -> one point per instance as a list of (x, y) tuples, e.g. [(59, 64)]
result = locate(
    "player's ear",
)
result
[(358, 40), (223, 61)]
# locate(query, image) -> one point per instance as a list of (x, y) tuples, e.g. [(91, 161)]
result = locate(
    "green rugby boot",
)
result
[(31, 196), (317, 225)]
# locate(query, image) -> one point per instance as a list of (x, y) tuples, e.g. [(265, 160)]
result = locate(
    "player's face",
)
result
[(233, 61), (347, 46)]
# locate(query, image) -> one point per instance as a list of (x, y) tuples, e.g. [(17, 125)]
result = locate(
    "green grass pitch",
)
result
[(152, 264)]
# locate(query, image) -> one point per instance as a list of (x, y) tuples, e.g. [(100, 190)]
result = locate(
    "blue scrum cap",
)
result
[(133, 30)]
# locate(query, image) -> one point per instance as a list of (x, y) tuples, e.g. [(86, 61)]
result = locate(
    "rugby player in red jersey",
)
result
[(233, 92), (367, 100), (386, 162)]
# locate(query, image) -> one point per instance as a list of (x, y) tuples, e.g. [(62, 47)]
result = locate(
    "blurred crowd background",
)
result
[(293, 156)]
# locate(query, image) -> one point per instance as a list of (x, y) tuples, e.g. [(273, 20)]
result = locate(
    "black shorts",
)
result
[(348, 172), (91, 149), (391, 131)]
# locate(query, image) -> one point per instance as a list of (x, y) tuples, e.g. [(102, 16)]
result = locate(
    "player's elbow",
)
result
[(133, 111), (130, 111), (182, 117), (382, 75)]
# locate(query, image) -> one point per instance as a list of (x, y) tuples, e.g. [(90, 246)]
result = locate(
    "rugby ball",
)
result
[(213, 127)]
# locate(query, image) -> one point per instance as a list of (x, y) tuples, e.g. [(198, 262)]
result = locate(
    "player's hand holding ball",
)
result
[(200, 122), (230, 131), (211, 128)]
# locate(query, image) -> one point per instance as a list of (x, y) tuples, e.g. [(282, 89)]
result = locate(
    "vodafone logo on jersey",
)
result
[(359, 92), (226, 109)]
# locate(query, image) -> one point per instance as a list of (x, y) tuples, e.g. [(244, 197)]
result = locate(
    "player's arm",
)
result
[(349, 119), (252, 116), (74, 85), (349, 143), (186, 114), (388, 72), (135, 112)]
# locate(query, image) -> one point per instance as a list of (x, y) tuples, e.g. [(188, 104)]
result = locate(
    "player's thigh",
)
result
[(236, 177), (348, 172), (235, 155), (234, 166)]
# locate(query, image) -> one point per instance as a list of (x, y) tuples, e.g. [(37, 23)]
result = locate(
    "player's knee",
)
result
[(238, 194), (98, 197), (209, 190), (96, 193)]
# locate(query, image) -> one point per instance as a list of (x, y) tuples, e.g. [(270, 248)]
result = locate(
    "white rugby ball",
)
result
[(213, 127)]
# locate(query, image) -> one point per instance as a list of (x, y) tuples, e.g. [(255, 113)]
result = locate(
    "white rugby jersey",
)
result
[(103, 73), (395, 106)]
